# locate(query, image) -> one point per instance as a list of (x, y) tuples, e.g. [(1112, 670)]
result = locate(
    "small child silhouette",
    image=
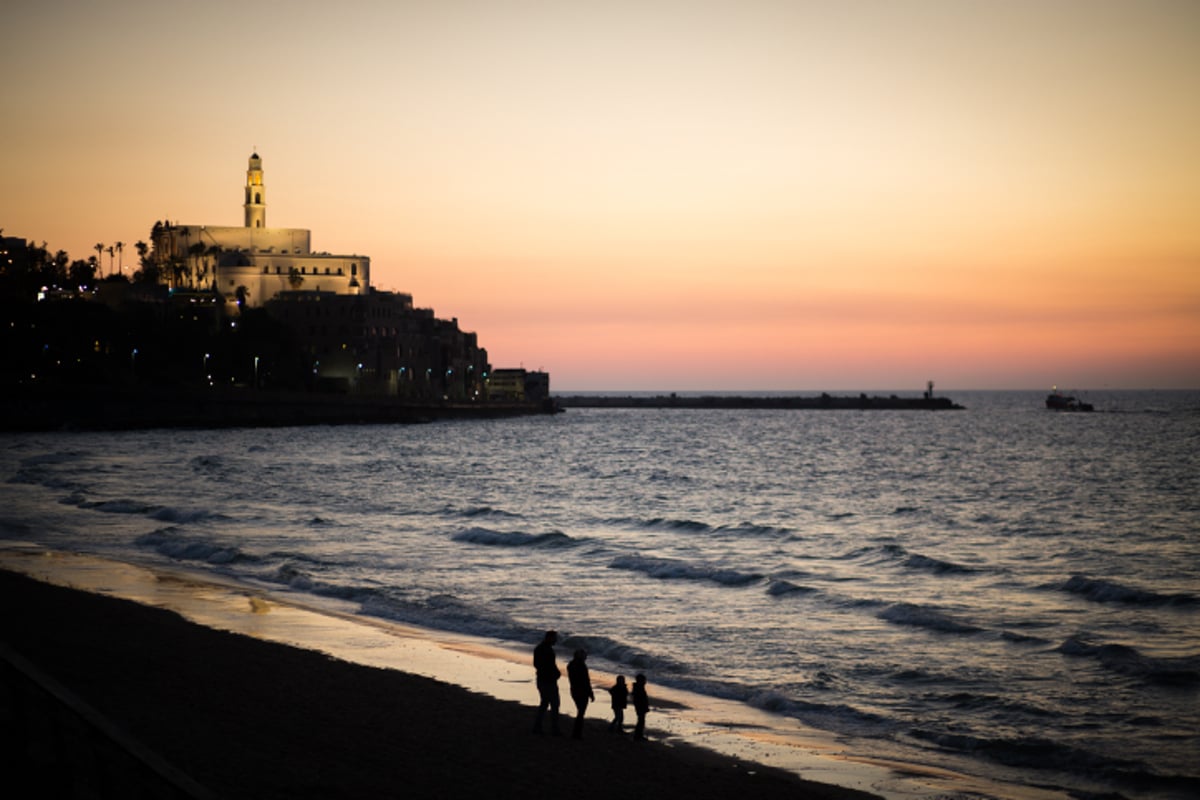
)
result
[(620, 699), (641, 704)]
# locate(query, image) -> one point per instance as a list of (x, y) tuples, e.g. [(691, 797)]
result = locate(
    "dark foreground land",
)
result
[(95, 692)]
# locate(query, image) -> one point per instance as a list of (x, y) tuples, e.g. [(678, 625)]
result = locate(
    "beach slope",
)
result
[(244, 718)]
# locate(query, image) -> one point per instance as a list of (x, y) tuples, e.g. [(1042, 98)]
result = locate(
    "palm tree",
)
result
[(214, 252), (195, 251), (109, 250), (99, 248), (120, 260)]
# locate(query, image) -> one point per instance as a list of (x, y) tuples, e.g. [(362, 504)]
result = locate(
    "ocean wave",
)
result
[(622, 654), (169, 542), (14, 529), (1031, 752), (484, 511), (1126, 660), (973, 701), (126, 505), (673, 569), (1021, 638), (58, 457), (211, 464), (677, 524), (441, 611), (780, 588), (121, 506), (875, 553), (838, 717), (1105, 591), (923, 617), (39, 470), (491, 538), (751, 529), (1041, 753), (936, 565), (180, 516)]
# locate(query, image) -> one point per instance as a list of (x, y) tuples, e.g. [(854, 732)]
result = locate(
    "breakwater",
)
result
[(822, 401)]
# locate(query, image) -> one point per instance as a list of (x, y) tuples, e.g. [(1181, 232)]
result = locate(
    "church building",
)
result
[(254, 263)]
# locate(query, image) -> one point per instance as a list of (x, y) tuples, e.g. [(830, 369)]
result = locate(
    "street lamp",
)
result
[(256, 372)]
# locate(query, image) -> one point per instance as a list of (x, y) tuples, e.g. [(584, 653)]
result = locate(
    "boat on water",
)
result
[(1057, 401)]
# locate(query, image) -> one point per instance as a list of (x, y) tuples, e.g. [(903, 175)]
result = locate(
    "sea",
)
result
[(1000, 591)]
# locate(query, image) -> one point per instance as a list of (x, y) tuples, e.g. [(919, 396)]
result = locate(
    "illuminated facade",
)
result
[(251, 264)]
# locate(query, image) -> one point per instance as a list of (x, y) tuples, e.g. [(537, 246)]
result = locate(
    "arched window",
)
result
[(354, 269), (257, 198)]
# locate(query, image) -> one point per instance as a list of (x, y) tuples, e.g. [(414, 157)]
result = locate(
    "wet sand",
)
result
[(250, 718)]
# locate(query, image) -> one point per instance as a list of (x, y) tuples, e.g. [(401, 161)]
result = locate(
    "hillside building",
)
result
[(251, 264)]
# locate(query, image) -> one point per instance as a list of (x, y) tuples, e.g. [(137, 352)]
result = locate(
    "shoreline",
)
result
[(730, 737), (133, 407), (246, 717)]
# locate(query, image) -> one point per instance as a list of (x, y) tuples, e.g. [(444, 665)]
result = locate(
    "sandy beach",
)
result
[(248, 718)]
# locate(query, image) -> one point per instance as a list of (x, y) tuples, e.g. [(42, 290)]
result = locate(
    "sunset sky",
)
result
[(697, 195)]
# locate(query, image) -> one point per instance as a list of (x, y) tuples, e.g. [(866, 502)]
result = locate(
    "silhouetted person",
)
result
[(547, 681), (581, 689), (641, 704), (620, 699)]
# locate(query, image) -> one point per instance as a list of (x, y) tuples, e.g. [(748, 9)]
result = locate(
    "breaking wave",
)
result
[(168, 542), (922, 617), (780, 588), (936, 565), (491, 538), (1126, 660), (1104, 591), (672, 569)]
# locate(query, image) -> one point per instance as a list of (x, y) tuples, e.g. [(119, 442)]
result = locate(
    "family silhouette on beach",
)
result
[(545, 663)]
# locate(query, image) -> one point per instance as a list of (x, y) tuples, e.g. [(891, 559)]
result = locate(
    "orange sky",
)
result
[(665, 195)]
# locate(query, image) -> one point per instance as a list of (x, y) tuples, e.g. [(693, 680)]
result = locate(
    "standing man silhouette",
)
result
[(581, 689), (547, 681)]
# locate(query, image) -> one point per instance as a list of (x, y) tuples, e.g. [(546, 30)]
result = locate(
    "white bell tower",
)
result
[(256, 195)]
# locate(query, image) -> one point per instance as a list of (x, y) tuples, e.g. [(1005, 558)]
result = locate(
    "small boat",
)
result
[(1057, 401)]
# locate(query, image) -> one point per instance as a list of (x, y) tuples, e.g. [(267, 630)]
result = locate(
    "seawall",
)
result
[(128, 408)]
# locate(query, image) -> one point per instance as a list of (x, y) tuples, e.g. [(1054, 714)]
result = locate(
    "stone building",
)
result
[(377, 343), (250, 264)]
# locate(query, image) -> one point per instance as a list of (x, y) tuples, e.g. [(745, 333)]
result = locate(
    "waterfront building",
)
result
[(518, 385), (377, 343), (251, 264)]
